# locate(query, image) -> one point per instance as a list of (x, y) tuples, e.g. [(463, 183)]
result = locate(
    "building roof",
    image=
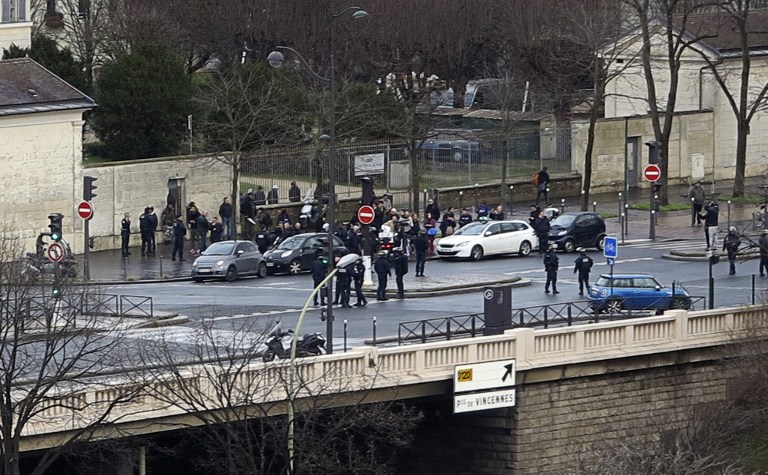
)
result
[(26, 87), (718, 30)]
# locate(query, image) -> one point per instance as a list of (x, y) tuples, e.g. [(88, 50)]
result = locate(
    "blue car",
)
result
[(613, 293)]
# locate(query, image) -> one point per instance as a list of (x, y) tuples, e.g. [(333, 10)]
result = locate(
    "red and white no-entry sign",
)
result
[(365, 214), (652, 172), (85, 210)]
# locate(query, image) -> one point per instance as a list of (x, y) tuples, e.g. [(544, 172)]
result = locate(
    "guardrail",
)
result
[(539, 316), (117, 305)]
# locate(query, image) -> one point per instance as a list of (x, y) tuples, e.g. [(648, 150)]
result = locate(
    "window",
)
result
[(494, 229), (13, 11), (646, 283)]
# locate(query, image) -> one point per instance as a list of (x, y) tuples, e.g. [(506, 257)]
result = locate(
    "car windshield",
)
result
[(472, 229), (220, 249), (291, 243), (564, 220)]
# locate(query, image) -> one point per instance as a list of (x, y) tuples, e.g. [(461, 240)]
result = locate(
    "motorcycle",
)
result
[(37, 264), (279, 344), (386, 239)]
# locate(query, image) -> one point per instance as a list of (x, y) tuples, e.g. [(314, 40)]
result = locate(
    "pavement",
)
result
[(109, 267)]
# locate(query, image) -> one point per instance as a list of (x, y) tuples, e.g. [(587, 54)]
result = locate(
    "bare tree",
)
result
[(217, 377), (737, 16), (52, 358)]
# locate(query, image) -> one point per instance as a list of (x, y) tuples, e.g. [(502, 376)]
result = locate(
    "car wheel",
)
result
[(196, 280), (294, 267), (614, 306), (268, 355), (476, 254), (525, 249), (569, 245), (600, 242), (231, 274), (262, 270)]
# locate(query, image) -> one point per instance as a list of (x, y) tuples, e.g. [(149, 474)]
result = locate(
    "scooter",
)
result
[(279, 344)]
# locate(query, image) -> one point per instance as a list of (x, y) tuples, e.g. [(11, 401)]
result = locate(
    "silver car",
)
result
[(229, 260)]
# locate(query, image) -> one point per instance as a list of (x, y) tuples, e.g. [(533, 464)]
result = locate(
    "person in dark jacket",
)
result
[(153, 222), (248, 216), (319, 272), (272, 197), (421, 246), (543, 186), (541, 227), (401, 268), (357, 272), (179, 231), (383, 269), (731, 245), (294, 193), (258, 197), (432, 208), (465, 218), (551, 266), (192, 215), (448, 221), (283, 217), (762, 243), (202, 230), (216, 230), (227, 225), (710, 217), (582, 265), (125, 233), (144, 229)]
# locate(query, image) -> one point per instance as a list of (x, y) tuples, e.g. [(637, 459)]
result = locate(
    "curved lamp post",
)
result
[(276, 59), (343, 262)]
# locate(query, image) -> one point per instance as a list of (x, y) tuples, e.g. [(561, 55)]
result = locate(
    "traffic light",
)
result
[(654, 152), (56, 289), (56, 223), (368, 196), (88, 188), (655, 187)]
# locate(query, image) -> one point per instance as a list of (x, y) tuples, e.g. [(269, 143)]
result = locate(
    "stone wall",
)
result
[(561, 421)]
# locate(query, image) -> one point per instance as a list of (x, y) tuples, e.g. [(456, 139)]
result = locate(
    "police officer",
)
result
[(551, 265), (179, 231), (401, 268), (125, 233), (357, 271), (763, 244), (583, 264), (383, 269), (731, 245), (319, 272), (343, 283), (421, 245), (541, 227), (152, 231)]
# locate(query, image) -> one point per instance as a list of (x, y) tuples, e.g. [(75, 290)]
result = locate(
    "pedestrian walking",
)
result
[(125, 233), (710, 217), (551, 266), (696, 195), (731, 245), (357, 272), (541, 228), (763, 245), (179, 231), (401, 268), (583, 264), (383, 269), (542, 186), (421, 247), (319, 272), (227, 223)]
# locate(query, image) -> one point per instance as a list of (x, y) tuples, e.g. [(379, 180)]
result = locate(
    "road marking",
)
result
[(597, 263), (273, 312)]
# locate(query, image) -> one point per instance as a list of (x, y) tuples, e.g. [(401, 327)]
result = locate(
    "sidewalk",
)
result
[(110, 267)]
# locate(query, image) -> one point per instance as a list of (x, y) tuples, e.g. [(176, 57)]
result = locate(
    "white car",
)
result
[(478, 239)]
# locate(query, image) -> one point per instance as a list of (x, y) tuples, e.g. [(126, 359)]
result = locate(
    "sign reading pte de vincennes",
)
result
[(478, 379)]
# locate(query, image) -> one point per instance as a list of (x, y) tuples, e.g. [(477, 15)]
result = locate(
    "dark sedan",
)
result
[(295, 254)]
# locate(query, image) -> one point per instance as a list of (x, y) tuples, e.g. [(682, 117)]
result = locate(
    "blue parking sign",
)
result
[(610, 247)]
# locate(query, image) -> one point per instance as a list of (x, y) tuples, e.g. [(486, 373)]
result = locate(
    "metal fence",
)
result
[(446, 159)]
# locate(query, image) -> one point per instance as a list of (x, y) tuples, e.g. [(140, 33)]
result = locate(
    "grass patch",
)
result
[(608, 215), (669, 207), (746, 199)]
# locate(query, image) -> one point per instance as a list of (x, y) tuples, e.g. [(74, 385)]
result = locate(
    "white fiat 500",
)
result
[(478, 239)]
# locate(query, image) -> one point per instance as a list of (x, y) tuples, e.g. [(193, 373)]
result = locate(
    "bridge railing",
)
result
[(395, 367)]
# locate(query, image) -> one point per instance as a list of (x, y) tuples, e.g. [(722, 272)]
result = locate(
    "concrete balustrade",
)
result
[(381, 368)]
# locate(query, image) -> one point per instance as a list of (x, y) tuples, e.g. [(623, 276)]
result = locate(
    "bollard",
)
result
[(461, 200), (626, 219), (562, 205), (621, 216), (753, 289), (346, 329), (693, 212), (161, 267), (621, 224), (729, 216), (594, 206), (374, 330), (125, 268)]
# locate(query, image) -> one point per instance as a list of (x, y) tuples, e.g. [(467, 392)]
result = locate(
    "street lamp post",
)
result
[(276, 59)]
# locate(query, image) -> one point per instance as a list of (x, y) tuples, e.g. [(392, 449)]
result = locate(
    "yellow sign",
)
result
[(465, 375)]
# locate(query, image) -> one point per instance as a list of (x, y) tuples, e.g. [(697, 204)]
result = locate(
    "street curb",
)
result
[(163, 322), (453, 289)]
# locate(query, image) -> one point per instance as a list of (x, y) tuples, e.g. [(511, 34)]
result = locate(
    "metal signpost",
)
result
[(652, 173), (611, 252)]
